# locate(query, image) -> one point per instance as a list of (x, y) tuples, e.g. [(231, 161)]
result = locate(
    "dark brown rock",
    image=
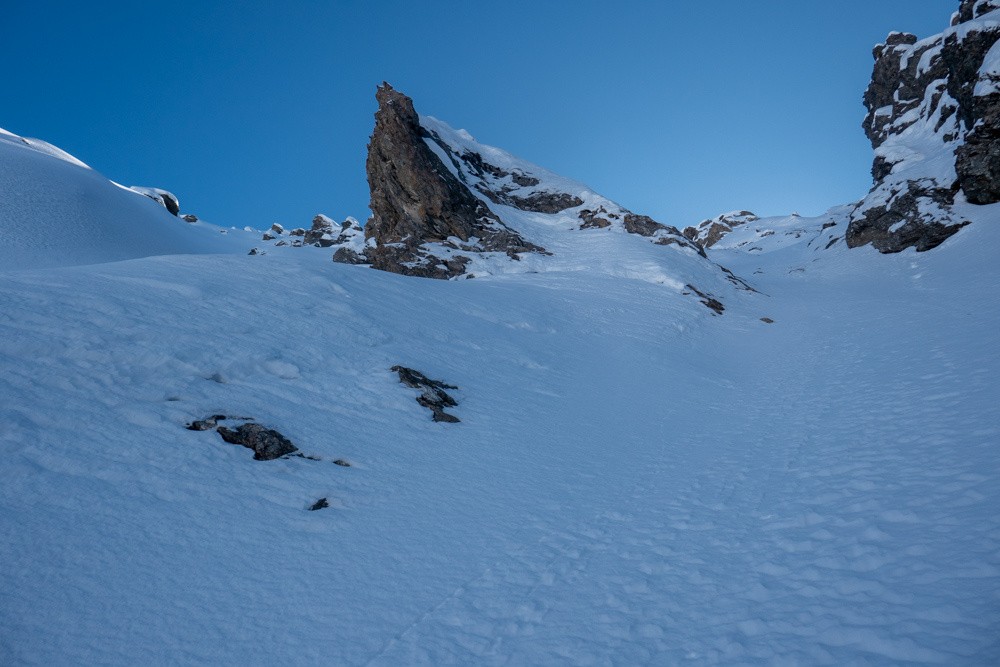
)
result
[(709, 232), (321, 233), (902, 223), (348, 256), (267, 444), (914, 83), (595, 219), (977, 161), (433, 395), (415, 199), (708, 300)]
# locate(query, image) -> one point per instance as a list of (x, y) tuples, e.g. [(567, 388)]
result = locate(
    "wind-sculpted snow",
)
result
[(57, 211), (632, 482)]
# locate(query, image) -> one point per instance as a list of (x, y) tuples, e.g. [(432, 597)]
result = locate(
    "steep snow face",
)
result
[(58, 212), (632, 481)]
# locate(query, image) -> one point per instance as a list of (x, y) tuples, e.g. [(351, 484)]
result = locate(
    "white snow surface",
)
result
[(57, 211), (634, 480)]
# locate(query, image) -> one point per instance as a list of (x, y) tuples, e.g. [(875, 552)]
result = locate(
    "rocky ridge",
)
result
[(934, 123), (440, 200)]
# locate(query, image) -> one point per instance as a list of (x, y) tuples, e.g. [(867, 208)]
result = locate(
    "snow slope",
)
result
[(634, 481), (57, 211)]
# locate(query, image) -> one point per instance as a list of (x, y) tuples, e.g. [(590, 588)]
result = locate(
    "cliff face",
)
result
[(416, 200), (934, 122)]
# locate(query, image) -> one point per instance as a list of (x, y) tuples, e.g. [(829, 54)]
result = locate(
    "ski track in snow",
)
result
[(634, 481)]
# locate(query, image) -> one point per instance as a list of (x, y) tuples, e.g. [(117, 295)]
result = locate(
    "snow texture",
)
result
[(57, 211), (634, 480)]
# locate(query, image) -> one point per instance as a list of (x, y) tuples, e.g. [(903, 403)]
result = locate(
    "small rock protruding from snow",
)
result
[(267, 444), (167, 200), (320, 504), (433, 395)]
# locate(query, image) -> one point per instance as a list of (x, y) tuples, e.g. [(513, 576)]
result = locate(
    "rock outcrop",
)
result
[(167, 200), (267, 444), (443, 204), (432, 393), (416, 200), (709, 232), (934, 122)]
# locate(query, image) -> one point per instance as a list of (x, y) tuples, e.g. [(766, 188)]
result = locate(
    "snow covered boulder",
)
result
[(167, 200)]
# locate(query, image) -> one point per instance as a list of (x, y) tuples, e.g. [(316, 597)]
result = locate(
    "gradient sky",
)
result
[(260, 112)]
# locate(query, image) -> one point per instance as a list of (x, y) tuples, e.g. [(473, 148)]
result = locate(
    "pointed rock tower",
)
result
[(415, 200)]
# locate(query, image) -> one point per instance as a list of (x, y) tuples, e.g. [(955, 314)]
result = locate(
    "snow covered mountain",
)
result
[(561, 455)]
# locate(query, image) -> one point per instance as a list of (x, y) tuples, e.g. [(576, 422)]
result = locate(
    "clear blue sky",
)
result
[(258, 112)]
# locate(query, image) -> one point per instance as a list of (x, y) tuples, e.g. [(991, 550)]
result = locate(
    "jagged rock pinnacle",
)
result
[(415, 199)]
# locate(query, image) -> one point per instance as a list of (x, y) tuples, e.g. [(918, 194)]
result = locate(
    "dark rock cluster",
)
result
[(708, 300), (905, 222), (324, 233), (416, 200), (504, 185), (432, 393), (930, 84), (267, 444), (709, 232)]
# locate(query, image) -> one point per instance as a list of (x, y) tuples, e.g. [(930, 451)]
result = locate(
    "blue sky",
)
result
[(260, 112)]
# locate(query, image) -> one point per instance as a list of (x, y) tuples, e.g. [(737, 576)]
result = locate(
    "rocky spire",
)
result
[(416, 200)]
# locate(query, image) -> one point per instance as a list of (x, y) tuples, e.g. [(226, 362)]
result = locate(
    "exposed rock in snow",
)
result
[(321, 234), (267, 444), (433, 395), (708, 300), (708, 232), (933, 118), (206, 424), (520, 186), (416, 200), (443, 203), (320, 504), (167, 200), (970, 9)]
